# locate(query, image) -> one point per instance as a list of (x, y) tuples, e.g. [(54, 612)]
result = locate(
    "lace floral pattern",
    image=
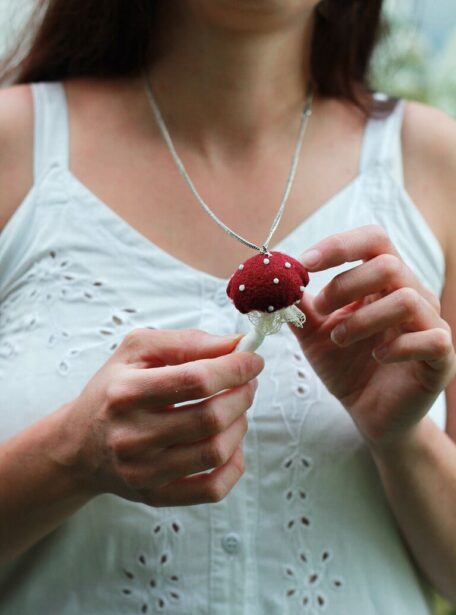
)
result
[(55, 278), (153, 584), (308, 582)]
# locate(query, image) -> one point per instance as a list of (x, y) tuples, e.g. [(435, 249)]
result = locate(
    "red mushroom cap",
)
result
[(267, 283)]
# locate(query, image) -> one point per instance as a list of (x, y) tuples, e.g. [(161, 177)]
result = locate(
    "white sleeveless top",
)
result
[(307, 529)]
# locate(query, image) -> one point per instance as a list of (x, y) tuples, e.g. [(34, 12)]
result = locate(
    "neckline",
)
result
[(124, 229)]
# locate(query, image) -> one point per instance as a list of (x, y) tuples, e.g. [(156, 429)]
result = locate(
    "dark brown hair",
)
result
[(72, 38)]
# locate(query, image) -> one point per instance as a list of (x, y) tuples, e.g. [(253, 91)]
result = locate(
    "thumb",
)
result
[(160, 347), (314, 320)]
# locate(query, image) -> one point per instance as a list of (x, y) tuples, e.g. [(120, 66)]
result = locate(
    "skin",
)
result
[(239, 71)]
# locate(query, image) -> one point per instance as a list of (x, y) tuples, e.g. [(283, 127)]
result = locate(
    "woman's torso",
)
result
[(307, 528)]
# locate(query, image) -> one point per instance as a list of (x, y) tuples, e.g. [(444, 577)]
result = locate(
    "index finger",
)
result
[(172, 384), (362, 243), (147, 347)]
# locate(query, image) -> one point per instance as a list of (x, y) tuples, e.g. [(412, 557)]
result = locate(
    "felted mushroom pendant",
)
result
[(267, 288)]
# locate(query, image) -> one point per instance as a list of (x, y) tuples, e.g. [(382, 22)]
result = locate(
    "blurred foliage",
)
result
[(443, 608), (405, 64)]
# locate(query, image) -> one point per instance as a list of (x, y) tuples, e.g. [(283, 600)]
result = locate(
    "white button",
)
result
[(231, 542), (221, 298)]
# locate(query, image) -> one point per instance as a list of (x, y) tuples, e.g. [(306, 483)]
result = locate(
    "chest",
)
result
[(137, 177), (154, 199), (160, 206), (125, 162)]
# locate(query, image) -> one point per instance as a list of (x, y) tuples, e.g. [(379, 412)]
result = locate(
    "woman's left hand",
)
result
[(391, 353)]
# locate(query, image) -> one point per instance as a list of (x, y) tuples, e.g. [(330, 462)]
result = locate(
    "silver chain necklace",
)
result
[(307, 111)]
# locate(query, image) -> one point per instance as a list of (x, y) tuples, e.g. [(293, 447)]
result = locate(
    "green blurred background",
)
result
[(416, 59)]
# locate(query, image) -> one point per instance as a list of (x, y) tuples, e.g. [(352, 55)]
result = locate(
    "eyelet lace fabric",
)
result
[(51, 281), (153, 583)]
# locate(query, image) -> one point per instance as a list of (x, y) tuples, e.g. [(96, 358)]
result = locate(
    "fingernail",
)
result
[(255, 384), (232, 337), (339, 334), (310, 258)]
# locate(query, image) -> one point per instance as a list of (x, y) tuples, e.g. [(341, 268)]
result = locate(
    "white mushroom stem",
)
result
[(266, 323), (250, 342)]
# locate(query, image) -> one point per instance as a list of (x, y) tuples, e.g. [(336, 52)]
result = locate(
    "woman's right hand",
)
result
[(126, 436)]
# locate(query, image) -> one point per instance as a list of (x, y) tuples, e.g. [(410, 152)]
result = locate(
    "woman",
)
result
[(341, 494)]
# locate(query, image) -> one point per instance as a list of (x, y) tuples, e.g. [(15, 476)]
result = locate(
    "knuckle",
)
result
[(213, 454), (241, 465), (118, 394), (389, 266), (245, 424), (248, 396), (216, 490), (196, 379), (337, 285), (435, 303), (239, 368), (194, 335), (377, 234), (189, 338), (242, 368), (442, 342), (131, 475), (132, 340), (211, 419), (339, 246), (408, 300), (116, 444)]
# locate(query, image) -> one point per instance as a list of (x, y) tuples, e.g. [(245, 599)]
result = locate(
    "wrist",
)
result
[(65, 453), (412, 443)]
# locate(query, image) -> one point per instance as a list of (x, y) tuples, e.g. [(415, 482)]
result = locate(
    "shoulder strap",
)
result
[(382, 143), (51, 140)]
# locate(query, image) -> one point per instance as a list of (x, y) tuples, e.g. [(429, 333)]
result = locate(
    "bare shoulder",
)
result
[(16, 148), (17, 134), (429, 148), (429, 137)]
